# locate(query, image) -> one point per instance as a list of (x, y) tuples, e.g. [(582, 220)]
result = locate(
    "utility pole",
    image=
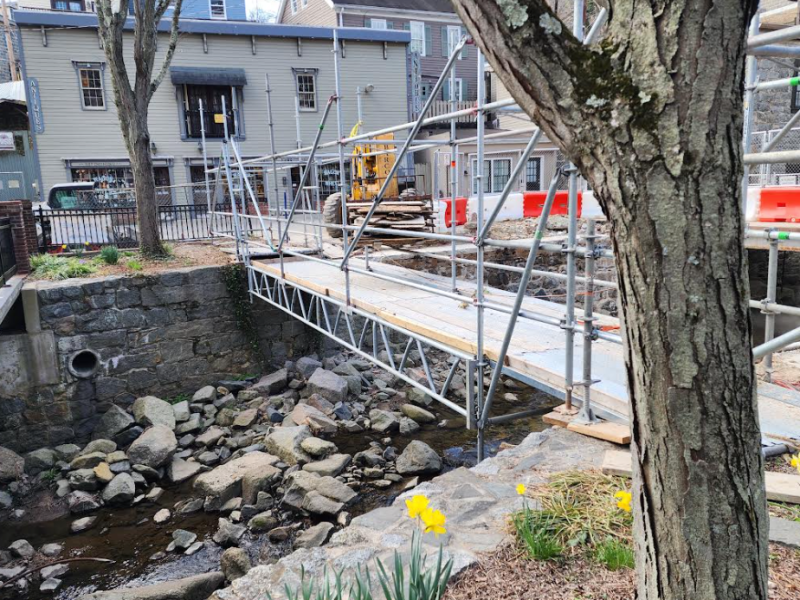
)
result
[(12, 59)]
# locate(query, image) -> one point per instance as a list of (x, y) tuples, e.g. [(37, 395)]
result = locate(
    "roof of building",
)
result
[(442, 6), (42, 18)]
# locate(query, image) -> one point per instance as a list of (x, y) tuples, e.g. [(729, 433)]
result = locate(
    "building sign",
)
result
[(35, 105), (6, 140)]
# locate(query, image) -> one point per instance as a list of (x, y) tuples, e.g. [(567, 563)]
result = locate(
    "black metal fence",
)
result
[(8, 259), (96, 227)]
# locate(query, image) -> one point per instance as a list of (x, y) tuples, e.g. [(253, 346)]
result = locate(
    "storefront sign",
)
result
[(35, 105)]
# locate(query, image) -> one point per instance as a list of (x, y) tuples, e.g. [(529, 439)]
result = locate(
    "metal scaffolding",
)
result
[(264, 225)]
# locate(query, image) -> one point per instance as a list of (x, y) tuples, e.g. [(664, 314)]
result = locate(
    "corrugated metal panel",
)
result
[(18, 170)]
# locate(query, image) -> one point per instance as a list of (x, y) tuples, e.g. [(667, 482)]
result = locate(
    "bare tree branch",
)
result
[(173, 42)]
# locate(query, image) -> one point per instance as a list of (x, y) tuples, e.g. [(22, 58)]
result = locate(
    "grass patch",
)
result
[(109, 255), (785, 511), (52, 266), (51, 475), (134, 265), (177, 399), (579, 516)]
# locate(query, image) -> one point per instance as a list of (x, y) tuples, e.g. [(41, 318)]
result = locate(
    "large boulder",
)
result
[(198, 587), (154, 447), (329, 385), (40, 460), (418, 459), (383, 421), (273, 383), (149, 410), (121, 490), (181, 411), (205, 395), (305, 414), (307, 365), (12, 465), (417, 413), (225, 482), (114, 421), (286, 443)]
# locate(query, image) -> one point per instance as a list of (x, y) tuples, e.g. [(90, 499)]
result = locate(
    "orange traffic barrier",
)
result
[(533, 203), (779, 204)]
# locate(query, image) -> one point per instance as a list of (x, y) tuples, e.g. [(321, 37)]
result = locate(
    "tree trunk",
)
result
[(146, 201), (652, 117)]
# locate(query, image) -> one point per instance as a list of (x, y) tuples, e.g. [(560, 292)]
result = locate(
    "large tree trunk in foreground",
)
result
[(652, 117)]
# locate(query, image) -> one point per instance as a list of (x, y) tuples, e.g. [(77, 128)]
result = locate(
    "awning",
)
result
[(12, 91), (207, 76)]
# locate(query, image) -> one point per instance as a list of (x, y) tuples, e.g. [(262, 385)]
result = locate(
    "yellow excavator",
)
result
[(404, 209)]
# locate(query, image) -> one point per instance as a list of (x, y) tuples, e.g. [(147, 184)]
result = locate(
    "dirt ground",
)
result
[(786, 369), (506, 575), (183, 255)]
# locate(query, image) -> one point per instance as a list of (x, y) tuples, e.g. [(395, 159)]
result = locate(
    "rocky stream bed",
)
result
[(258, 467)]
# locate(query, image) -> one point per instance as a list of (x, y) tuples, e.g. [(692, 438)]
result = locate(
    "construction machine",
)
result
[(402, 206)]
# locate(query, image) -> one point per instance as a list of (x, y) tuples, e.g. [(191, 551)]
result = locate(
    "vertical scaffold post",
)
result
[(586, 415), (273, 150), (343, 187), (453, 169), (772, 297), (751, 78), (205, 168), (479, 299)]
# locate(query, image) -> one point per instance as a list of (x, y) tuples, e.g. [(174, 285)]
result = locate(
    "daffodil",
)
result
[(434, 521), (796, 462), (623, 500), (416, 506), (521, 489)]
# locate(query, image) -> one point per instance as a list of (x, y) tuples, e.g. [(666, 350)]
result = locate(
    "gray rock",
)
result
[(181, 411), (314, 536), (83, 480), (234, 563), (154, 494), (208, 458), (383, 421), (329, 385), (6, 500), (115, 457), (22, 549), (49, 585), (418, 414), (194, 548), (228, 533), (195, 423), (316, 420), (317, 504), (331, 466), (286, 443), (127, 437), (99, 445), (114, 421), (120, 491), (67, 452), (52, 550), (6, 574), (180, 470), (263, 522), (154, 447), (321, 404), (342, 411), (82, 502), (40, 460), (54, 570), (307, 365), (225, 482), (149, 410), (199, 587), (12, 465), (120, 467), (318, 448), (182, 539), (246, 418), (369, 458), (418, 458), (408, 426), (162, 516), (205, 395), (210, 436), (88, 461), (418, 397), (315, 494), (82, 524), (274, 383)]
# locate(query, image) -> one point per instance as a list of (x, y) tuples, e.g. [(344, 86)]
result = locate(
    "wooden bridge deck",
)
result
[(537, 350)]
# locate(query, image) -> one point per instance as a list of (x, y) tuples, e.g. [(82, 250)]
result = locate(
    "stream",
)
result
[(131, 538)]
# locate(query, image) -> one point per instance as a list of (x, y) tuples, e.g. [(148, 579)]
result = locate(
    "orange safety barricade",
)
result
[(461, 211), (533, 203), (779, 204)]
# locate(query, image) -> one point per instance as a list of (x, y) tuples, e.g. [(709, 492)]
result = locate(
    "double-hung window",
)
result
[(533, 175), (90, 80), (217, 9), (496, 173), (306, 82), (378, 24), (293, 5), (418, 42)]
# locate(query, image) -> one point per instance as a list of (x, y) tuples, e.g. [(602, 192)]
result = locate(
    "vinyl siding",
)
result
[(316, 12), (73, 133), (191, 9), (507, 120), (433, 64)]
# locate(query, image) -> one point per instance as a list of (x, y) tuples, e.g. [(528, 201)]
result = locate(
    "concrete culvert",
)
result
[(84, 363)]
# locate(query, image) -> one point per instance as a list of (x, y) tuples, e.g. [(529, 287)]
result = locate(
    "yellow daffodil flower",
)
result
[(416, 506), (796, 462), (623, 500), (521, 489), (434, 521)]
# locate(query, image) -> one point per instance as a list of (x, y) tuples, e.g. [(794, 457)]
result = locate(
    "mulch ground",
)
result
[(507, 575)]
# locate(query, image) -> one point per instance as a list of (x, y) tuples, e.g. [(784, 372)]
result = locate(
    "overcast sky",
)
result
[(267, 5)]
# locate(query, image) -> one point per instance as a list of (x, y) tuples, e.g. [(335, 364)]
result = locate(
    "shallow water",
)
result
[(129, 536)]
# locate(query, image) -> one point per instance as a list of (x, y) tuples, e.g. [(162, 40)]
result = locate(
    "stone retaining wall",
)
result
[(163, 334)]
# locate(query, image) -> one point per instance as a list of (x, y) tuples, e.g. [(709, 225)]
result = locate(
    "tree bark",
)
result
[(652, 117)]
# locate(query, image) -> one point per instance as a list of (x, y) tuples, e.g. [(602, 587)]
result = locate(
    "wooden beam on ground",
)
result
[(602, 430), (781, 487)]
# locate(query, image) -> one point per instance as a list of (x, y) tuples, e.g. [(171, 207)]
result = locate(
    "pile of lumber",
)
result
[(416, 214)]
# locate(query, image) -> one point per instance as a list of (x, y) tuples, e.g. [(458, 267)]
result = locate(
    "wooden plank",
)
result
[(617, 462), (781, 487), (557, 419), (603, 430)]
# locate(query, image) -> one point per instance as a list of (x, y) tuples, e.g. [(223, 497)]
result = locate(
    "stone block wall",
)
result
[(164, 334)]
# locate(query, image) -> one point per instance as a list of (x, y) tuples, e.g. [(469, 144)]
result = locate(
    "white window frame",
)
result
[(313, 75), (488, 175), (293, 6), (454, 34), (383, 22), (100, 68), (459, 93), (224, 16), (418, 41), (305, 3)]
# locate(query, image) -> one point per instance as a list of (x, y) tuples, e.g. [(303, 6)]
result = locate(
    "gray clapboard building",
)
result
[(74, 121)]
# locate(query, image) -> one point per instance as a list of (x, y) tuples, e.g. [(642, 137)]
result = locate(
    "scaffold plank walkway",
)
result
[(537, 349)]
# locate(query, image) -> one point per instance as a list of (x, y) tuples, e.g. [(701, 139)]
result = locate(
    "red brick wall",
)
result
[(23, 228)]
